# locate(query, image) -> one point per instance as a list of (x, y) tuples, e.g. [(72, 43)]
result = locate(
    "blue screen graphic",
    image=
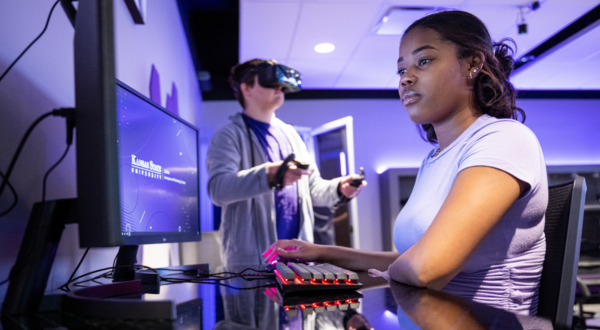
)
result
[(158, 169)]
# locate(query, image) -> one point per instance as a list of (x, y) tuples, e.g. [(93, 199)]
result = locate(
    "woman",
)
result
[(473, 225)]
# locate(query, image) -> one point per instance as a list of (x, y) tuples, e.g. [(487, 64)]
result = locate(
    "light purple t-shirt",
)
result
[(504, 271)]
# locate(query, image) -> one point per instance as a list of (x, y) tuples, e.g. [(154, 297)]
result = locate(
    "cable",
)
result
[(200, 280), (222, 284), (20, 148), (64, 287), (17, 268), (76, 268), (48, 173), (31, 44), (12, 189), (68, 113)]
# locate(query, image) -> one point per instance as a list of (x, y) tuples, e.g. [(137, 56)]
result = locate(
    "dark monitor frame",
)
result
[(98, 210)]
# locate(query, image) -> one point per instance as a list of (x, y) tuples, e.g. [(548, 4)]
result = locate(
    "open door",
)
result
[(333, 146)]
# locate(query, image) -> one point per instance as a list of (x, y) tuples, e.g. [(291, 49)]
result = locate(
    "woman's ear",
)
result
[(476, 63)]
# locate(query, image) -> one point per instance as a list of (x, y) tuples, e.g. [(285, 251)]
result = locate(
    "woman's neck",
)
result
[(450, 129)]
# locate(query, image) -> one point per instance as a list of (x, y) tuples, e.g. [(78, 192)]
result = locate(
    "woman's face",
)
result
[(433, 81)]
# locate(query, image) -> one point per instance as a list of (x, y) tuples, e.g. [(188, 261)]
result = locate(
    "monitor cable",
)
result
[(31, 44), (75, 271), (15, 157), (65, 287), (69, 114), (15, 201)]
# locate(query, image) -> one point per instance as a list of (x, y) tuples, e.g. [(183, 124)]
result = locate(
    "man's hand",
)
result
[(348, 190), (293, 173)]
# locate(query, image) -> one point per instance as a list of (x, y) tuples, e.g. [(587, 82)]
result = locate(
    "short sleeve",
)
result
[(508, 146)]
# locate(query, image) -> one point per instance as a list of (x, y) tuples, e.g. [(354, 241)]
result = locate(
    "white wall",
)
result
[(44, 79), (384, 137)]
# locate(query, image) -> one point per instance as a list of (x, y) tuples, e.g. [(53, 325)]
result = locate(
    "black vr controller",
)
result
[(278, 75), (280, 174), (358, 182), (353, 183)]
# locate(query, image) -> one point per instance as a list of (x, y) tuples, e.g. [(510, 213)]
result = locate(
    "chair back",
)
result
[(564, 218)]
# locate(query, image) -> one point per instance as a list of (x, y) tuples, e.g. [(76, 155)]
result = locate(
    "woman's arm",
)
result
[(338, 255), (479, 197)]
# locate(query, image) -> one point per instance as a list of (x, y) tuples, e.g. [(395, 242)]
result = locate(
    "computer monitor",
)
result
[(137, 169), (137, 163)]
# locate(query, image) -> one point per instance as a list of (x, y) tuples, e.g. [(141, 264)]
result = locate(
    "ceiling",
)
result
[(288, 30)]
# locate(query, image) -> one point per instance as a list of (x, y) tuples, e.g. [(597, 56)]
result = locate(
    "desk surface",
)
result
[(205, 306)]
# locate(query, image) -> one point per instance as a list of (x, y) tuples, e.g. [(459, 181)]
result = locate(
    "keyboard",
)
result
[(299, 277), (318, 303)]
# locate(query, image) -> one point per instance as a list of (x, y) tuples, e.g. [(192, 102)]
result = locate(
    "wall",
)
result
[(44, 79), (384, 137)]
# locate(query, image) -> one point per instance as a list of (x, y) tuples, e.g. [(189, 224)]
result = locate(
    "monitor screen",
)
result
[(158, 172)]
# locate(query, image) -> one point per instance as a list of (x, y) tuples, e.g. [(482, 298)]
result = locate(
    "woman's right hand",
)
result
[(294, 249)]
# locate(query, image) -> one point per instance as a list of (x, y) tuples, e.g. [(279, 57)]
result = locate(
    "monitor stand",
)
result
[(29, 275), (124, 267)]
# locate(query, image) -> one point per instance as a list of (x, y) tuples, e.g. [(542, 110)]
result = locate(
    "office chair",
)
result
[(588, 278), (564, 219)]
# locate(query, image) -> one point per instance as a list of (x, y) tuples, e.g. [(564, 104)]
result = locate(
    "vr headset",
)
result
[(273, 76)]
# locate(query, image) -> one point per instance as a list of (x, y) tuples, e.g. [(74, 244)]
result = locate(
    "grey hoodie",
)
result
[(248, 217)]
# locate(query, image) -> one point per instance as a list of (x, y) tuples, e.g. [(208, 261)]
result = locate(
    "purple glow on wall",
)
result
[(172, 104), (154, 85)]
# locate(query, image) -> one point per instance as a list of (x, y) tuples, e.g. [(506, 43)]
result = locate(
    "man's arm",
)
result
[(227, 183)]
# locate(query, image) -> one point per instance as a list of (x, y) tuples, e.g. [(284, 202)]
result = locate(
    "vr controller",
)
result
[(358, 182), (278, 75), (353, 183), (280, 174)]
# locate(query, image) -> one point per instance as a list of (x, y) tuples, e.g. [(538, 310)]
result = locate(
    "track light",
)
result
[(522, 28), (531, 6)]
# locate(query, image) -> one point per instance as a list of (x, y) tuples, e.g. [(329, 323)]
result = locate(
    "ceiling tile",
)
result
[(543, 24), (574, 66), (393, 83), (343, 25), (317, 74), (423, 3), (594, 84), (288, 30), (531, 78), (498, 20), (575, 78), (266, 38), (377, 47), (544, 4), (367, 74), (398, 19)]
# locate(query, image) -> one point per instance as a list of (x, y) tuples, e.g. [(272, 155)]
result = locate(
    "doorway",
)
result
[(333, 145)]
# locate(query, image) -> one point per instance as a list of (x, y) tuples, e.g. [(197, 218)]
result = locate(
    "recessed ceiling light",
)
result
[(324, 48)]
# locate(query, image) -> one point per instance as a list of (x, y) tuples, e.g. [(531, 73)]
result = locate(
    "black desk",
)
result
[(202, 306)]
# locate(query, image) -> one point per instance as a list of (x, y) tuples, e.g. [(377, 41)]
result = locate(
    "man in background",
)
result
[(261, 201)]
